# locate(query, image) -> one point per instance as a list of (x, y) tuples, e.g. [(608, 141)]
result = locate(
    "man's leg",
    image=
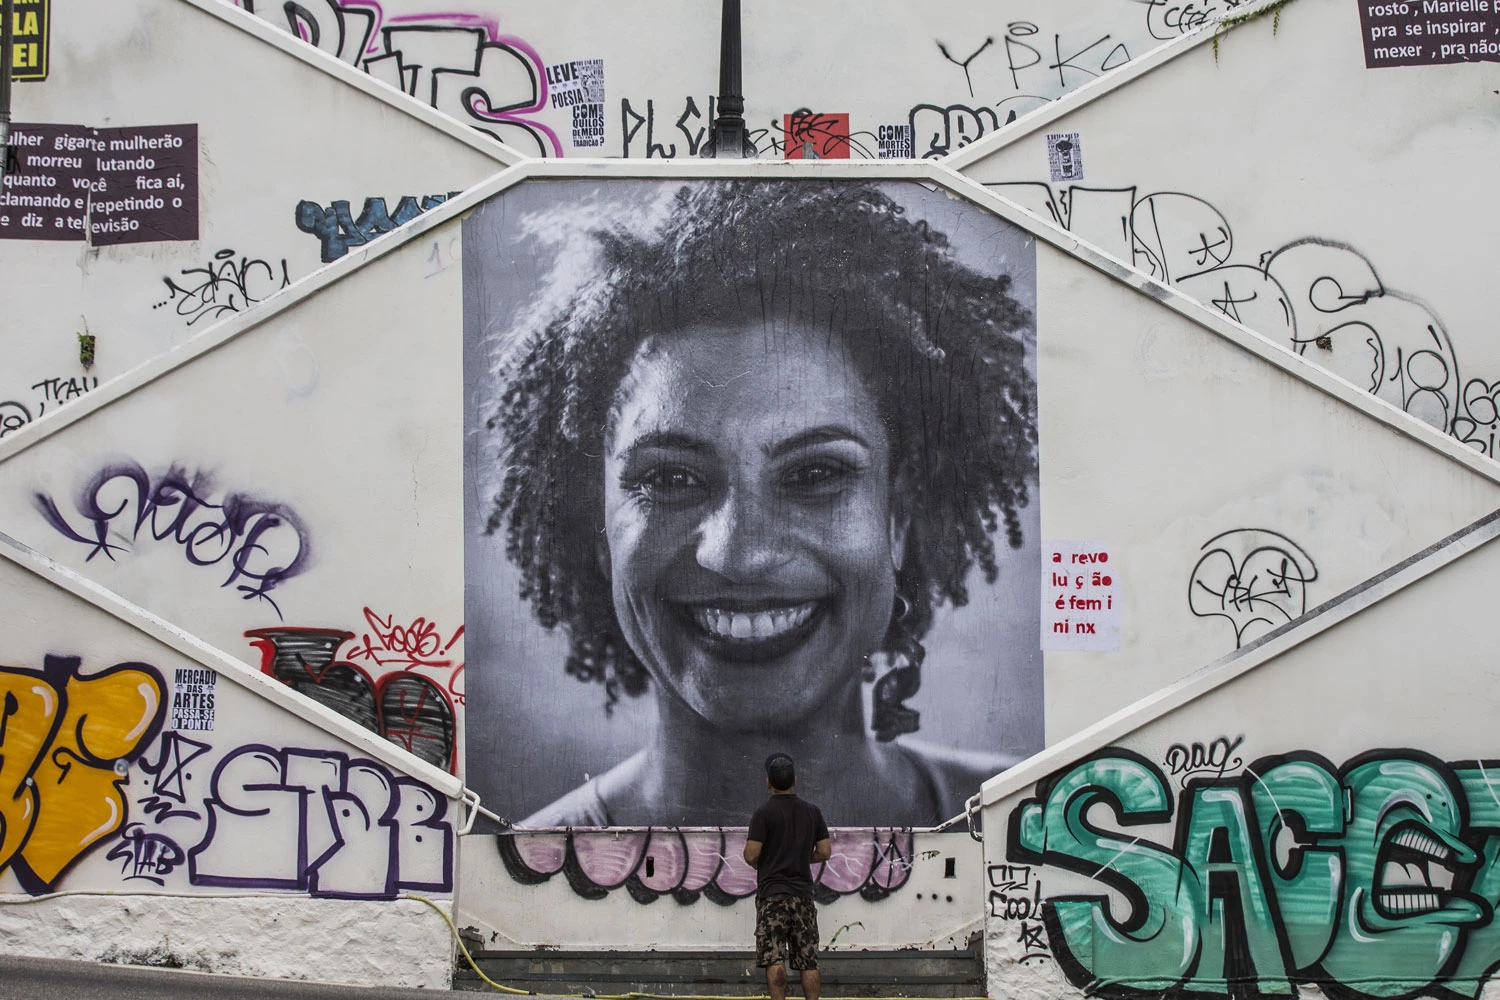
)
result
[(803, 946), (770, 943), (776, 981)]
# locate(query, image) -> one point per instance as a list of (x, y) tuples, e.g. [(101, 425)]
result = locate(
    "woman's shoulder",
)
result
[(954, 774), (588, 804), (583, 806)]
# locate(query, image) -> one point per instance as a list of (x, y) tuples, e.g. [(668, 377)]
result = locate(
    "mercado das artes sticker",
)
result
[(1080, 597), (1424, 32), (193, 690)]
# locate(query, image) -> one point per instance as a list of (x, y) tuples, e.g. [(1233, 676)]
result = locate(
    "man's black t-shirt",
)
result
[(788, 829)]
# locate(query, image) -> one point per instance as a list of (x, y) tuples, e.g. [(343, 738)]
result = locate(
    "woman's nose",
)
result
[(741, 538)]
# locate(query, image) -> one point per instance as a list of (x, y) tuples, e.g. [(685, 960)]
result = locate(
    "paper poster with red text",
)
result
[(1080, 596)]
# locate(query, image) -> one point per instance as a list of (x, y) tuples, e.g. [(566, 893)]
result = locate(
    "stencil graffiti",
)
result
[(223, 285), (323, 823), (337, 230), (461, 63), (65, 740), (1376, 879), (264, 543), (405, 707), (687, 864), (1255, 579)]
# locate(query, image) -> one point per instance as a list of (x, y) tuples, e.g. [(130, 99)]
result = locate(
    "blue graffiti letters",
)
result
[(338, 230)]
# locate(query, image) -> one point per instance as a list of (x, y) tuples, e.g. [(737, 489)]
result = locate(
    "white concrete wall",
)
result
[(1158, 437), (1173, 392), (882, 65), (927, 909), (1182, 442), (1297, 195), (1398, 678), (274, 129), (139, 842)]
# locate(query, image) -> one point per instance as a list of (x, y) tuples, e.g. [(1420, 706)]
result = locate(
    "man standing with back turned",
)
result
[(787, 836)]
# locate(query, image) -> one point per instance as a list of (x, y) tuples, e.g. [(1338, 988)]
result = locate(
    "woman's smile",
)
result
[(755, 633)]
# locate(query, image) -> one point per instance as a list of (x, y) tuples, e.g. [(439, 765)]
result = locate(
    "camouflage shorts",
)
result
[(786, 932)]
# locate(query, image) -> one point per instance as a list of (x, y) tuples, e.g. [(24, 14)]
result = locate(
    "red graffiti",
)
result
[(419, 645)]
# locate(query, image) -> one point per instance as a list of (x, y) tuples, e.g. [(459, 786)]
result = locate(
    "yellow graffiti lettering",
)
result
[(59, 791), (28, 719)]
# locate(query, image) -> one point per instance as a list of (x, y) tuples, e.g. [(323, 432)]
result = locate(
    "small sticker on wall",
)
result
[(1080, 597), (588, 125), (193, 691), (30, 31), (895, 142), (579, 85), (1065, 156)]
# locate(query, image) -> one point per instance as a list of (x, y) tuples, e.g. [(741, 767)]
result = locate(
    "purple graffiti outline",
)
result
[(308, 799), (493, 36)]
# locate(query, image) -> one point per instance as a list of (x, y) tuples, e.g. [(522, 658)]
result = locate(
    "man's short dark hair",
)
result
[(781, 772)]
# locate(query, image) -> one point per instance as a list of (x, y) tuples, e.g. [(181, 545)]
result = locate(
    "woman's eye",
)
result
[(818, 477), (670, 483)]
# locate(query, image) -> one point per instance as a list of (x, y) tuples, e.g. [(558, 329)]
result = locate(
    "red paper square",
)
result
[(812, 136)]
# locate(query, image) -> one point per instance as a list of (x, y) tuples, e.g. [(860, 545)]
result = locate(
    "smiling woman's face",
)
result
[(748, 516)]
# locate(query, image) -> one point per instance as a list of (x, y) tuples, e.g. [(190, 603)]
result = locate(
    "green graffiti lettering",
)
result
[(1377, 880), (1155, 945), (1236, 929), (1296, 803), (1481, 955), (1397, 927)]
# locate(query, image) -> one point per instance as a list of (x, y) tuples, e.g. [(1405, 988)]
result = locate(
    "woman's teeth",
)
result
[(754, 625)]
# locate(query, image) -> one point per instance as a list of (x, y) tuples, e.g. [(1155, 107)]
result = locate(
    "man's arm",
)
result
[(752, 853), (822, 850)]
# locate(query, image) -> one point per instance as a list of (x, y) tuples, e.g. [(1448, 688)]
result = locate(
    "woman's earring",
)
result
[(892, 717)]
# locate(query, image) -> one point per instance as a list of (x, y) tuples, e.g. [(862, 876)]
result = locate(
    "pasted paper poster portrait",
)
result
[(750, 467)]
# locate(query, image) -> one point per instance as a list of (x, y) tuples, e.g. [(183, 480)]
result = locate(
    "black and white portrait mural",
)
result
[(749, 467)]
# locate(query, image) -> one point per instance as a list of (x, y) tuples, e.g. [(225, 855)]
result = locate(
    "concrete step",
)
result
[(953, 973)]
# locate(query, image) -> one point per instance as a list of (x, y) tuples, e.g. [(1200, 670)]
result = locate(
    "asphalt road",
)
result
[(27, 978)]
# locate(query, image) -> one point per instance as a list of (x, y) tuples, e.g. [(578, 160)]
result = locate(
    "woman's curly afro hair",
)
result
[(941, 347)]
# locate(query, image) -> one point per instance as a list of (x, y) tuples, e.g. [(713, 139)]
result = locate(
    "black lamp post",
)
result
[(5, 71), (729, 137)]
